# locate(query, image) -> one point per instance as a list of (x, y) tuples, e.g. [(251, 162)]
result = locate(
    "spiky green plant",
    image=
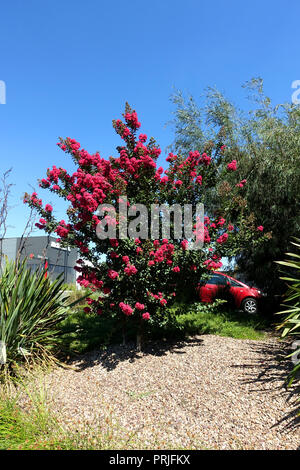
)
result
[(31, 307), (290, 326)]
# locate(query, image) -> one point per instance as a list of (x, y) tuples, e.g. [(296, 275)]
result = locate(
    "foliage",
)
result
[(31, 307), (81, 333), (215, 318), (20, 430), (290, 326), (265, 141), (139, 276)]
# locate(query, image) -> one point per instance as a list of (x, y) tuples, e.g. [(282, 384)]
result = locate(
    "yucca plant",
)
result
[(290, 326), (31, 307)]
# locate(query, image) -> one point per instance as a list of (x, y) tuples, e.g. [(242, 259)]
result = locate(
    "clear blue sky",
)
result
[(69, 66)]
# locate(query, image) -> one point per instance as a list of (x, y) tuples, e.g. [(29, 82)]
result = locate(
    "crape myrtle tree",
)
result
[(140, 276)]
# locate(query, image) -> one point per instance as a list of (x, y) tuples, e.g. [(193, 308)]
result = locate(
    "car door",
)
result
[(211, 289), (237, 292)]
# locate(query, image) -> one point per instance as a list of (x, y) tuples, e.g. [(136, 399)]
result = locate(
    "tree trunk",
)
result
[(139, 336), (124, 332), (139, 342)]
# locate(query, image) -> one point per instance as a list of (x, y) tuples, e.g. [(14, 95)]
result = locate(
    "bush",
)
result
[(290, 327), (214, 318), (31, 308), (81, 332), (141, 275)]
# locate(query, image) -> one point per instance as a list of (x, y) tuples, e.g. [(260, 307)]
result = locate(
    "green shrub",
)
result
[(77, 296), (81, 332), (31, 308), (215, 318), (290, 327)]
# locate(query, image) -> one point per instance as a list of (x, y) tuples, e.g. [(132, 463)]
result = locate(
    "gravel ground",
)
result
[(208, 392)]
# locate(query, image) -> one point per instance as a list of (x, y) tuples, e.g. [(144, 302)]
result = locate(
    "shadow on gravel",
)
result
[(274, 367), (113, 355)]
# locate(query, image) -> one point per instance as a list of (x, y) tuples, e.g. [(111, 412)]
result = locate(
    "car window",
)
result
[(217, 280), (234, 283)]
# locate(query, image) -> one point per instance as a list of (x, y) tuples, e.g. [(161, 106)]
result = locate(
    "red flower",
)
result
[(130, 270), (48, 208), (241, 183), (232, 166), (139, 306), (184, 244), (223, 238), (221, 221), (142, 137), (113, 274), (126, 308)]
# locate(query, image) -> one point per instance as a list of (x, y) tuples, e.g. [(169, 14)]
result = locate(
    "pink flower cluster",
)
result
[(241, 184), (223, 238), (112, 274), (232, 166), (63, 229), (132, 120), (130, 270), (126, 308), (163, 252), (212, 265)]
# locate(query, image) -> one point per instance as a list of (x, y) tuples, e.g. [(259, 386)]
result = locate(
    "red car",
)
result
[(221, 285)]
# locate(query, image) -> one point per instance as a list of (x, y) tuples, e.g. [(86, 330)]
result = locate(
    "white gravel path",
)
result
[(208, 392)]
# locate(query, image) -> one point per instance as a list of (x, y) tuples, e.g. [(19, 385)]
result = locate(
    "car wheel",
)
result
[(250, 305)]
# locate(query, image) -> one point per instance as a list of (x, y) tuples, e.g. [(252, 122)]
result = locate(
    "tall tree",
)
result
[(265, 141)]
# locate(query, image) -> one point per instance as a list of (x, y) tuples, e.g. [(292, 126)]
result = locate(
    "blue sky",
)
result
[(69, 67)]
